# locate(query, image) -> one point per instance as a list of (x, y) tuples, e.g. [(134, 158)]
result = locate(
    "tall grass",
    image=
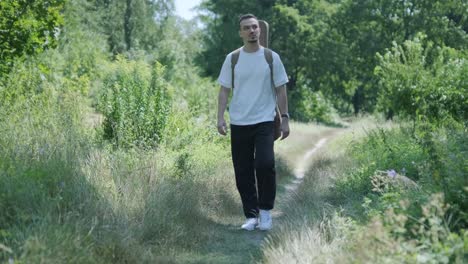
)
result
[(312, 231), (106, 205), (68, 196)]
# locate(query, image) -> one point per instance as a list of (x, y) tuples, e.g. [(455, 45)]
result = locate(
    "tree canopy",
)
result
[(27, 28), (330, 46)]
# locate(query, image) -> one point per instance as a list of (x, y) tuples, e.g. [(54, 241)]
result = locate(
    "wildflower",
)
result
[(391, 173)]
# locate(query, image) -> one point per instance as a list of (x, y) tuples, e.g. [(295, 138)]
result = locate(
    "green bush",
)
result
[(28, 28), (434, 164), (383, 150), (423, 82), (417, 218), (135, 103), (77, 65), (398, 235), (445, 170), (309, 106), (428, 84)]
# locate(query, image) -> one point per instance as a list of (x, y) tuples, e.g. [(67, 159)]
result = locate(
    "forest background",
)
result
[(107, 113)]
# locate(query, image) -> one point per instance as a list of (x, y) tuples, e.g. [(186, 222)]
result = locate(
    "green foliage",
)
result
[(382, 150), (27, 28), (26, 79), (310, 106), (406, 235), (189, 142), (57, 184), (444, 168), (367, 27), (428, 84), (396, 164), (133, 24), (42, 139), (80, 59), (424, 83), (434, 240), (409, 192), (393, 149), (66, 195), (290, 29), (330, 46), (135, 103)]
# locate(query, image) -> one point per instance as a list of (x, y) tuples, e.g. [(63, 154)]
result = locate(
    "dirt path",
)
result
[(299, 152), (300, 170)]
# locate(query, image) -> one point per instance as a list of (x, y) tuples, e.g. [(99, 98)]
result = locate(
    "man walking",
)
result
[(252, 112)]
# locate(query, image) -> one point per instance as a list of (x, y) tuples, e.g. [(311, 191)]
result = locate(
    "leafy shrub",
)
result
[(445, 170), (201, 101), (382, 150), (74, 62), (28, 28), (135, 103), (423, 82), (406, 238), (428, 84), (307, 106)]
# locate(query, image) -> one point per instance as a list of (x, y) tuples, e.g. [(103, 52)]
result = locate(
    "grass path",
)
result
[(227, 243)]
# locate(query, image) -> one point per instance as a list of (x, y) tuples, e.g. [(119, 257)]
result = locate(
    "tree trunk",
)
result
[(357, 100), (128, 25)]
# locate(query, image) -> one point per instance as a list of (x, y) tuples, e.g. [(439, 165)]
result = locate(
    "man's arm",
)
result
[(283, 107), (222, 104)]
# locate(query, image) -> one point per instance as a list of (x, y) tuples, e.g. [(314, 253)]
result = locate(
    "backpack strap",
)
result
[(269, 59), (234, 59)]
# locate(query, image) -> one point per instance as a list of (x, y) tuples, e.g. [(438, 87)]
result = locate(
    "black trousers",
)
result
[(254, 166)]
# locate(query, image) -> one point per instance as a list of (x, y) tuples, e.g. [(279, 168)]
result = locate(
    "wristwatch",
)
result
[(285, 115)]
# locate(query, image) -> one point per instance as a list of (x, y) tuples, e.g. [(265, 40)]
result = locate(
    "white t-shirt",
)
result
[(253, 100)]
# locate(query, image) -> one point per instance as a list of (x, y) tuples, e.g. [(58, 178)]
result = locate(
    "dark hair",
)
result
[(246, 16)]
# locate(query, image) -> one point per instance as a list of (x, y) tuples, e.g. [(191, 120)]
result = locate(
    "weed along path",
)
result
[(227, 242)]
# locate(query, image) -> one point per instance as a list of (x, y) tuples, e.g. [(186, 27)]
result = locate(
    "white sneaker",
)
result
[(265, 220), (250, 224)]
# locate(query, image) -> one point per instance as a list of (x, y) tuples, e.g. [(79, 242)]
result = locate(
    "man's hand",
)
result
[(222, 128), (283, 107), (284, 128), (222, 102)]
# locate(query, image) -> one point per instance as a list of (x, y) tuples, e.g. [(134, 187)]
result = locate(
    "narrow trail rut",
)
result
[(300, 170)]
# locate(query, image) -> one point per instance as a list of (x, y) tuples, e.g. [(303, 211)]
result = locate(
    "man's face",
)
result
[(249, 30)]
